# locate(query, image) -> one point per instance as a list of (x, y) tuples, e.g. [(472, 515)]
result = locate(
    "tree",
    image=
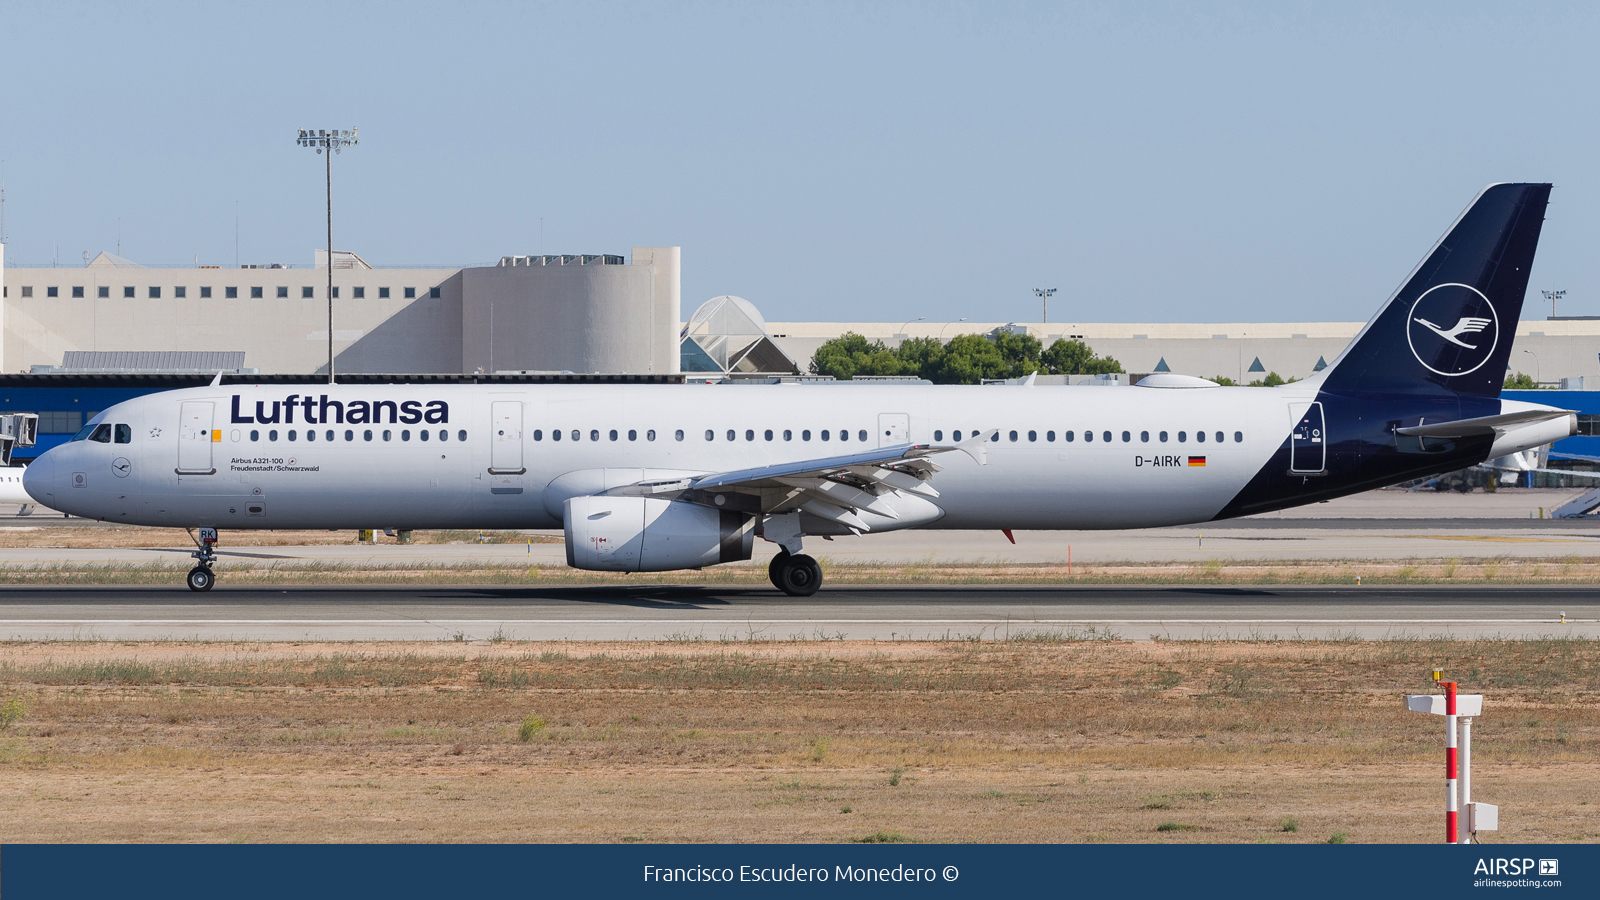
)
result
[(922, 355), (850, 354), (1020, 352), (1521, 382), (970, 358), (1075, 358), (1224, 380), (1273, 379)]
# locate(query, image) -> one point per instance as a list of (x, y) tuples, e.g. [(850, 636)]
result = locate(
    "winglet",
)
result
[(1028, 382), (975, 446), (217, 381)]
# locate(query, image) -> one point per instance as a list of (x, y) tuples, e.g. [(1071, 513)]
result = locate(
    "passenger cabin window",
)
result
[(1088, 435), (1238, 437), (1200, 436), (731, 434), (594, 434), (1163, 437), (1220, 437), (537, 435), (462, 435), (1013, 437), (273, 434), (1067, 436), (1144, 436), (255, 435), (805, 434), (710, 435), (824, 434), (291, 434), (678, 435), (1183, 436), (649, 435), (405, 434), (938, 435), (125, 434), (1107, 436)]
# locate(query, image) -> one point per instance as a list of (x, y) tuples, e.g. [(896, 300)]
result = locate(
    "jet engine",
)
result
[(646, 534)]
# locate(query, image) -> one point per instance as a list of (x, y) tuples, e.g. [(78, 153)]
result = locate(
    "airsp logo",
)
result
[(1452, 329)]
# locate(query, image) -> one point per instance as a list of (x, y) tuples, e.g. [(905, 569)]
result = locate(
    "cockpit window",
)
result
[(124, 434), (101, 433), (84, 433)]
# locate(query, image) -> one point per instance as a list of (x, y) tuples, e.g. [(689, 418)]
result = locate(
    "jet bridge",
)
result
[(17, 430)]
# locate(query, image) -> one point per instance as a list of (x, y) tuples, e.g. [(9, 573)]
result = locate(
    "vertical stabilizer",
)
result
[(1451, 325)]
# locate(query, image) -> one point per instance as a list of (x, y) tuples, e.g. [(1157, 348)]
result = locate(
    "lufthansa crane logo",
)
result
[(1452, 329)]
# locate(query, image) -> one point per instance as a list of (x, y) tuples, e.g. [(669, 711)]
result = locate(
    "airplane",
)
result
[(645, 478), (12, 491)]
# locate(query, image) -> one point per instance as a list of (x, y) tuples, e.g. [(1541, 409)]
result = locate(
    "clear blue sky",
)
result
[(842, 162)]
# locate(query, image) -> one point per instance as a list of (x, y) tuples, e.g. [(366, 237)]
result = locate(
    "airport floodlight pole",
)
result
[(332, 141), (947, 325), (1044, 297), (1538, 373), (902, 333), (1553, 296)]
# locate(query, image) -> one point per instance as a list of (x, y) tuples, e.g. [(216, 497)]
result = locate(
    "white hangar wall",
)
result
[(616, 319)]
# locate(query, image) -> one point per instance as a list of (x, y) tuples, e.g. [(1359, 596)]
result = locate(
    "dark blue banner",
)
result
[(440, 871)]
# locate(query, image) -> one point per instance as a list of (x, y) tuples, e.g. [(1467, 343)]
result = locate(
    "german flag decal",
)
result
[(1197, 461)]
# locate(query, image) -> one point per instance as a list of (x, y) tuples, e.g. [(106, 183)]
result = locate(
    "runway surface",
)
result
[(746, 614)]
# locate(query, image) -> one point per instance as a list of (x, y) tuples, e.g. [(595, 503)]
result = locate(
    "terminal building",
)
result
[(576, 313)]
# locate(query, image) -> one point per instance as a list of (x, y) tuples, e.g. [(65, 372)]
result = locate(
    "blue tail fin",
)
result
[(1450, 326)]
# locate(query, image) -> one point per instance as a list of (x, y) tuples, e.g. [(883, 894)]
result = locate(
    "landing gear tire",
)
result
[(797, 576), (201, 579), (776, 566)]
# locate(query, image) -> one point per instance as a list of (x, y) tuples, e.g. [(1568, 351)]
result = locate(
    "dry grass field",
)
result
[(1038, 738)]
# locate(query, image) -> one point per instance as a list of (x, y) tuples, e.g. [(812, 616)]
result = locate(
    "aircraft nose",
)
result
[(38, 480)]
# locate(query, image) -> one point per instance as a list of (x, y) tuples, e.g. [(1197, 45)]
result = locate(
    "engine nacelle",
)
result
[(645, 534)]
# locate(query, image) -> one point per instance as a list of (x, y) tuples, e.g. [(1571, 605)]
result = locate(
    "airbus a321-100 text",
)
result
[(655, 477)]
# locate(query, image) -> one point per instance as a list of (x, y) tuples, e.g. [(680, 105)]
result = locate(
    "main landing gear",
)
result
[(201, 578), (797, 575)]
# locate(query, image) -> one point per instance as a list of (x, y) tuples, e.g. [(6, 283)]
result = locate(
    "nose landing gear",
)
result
[(797, 575), (201, 578)]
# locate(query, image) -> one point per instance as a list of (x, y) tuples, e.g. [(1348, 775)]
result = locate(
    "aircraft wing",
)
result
[(833, 487), (1483, 425)]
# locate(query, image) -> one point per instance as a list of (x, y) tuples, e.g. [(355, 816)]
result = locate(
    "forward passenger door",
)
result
[(196, 437)]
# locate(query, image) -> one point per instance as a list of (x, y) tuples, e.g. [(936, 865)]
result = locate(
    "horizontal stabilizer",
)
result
[(1483, 425)]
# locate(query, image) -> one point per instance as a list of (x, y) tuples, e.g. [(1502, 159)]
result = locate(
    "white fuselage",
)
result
[(186, 458)]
